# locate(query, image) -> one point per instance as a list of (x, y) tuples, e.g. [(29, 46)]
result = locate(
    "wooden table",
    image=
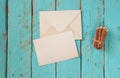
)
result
[(19, 25)]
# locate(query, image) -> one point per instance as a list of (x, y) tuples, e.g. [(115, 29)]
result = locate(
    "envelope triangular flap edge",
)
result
[(59, 19)]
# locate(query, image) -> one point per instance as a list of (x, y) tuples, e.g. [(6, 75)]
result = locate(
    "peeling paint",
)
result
[(86, 33), (81, 8), (24, 44), (7, 9), (119, 49), (88, 48), (95, 64), (51, 6), (5, 34), (12, 74), (27, 27), (118, 28), (57, 3), (98, 15), (21, 75)]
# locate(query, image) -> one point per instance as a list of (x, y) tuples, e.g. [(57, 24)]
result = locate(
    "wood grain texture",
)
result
[(19, 39), (69, 68), (47, 71), (92, 59), (3, 38), (112, 51), (23, 27)]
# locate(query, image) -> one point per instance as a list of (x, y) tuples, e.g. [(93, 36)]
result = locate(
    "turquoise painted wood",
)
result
[(112, 51), (19, 25), (69, 68), (92, 59), (43, 71), (3, 38), (19, 39)]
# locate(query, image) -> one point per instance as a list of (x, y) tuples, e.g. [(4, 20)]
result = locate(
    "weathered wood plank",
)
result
[(112, 51), (69, 68), (47, 71), (3, 38), (19, 39), (92, 59)]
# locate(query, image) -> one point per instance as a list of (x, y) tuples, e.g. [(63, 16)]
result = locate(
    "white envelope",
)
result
[(55, 48), (54, 22)]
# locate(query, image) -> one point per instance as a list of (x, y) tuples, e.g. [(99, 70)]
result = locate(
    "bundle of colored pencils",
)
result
[(100, 36)]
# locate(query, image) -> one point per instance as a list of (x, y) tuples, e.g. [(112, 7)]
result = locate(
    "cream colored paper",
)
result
[(54, 22), (55, 48)]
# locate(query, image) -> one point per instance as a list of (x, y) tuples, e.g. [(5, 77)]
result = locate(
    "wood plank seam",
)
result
[(7, 10), (80, 59), (81, 42), (31, 34), (103, 2)]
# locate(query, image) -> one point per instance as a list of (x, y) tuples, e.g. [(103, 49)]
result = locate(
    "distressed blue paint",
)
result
[(19, 39), (112, 51), (67, 5), (92, 59), (47, 71), (3, 37), (69, 68)]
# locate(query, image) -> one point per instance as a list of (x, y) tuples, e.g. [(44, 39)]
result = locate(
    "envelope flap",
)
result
[(60, 19)]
